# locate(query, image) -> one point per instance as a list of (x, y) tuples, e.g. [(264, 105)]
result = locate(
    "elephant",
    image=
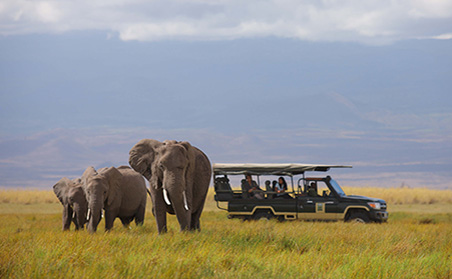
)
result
[(121, 192), (179, 176), (75, 206)]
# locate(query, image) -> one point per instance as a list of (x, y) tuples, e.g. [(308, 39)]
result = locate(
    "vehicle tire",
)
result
[(358, 217), (262, 215)]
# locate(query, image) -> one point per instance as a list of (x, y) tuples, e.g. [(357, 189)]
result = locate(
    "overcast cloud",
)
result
[(374, 22)]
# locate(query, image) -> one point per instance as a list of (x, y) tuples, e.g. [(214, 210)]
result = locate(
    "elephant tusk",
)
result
[(73, 215), (185, 201), (165, 197), (88, 215)]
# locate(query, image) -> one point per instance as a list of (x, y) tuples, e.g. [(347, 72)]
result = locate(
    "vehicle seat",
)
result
[(223, 189)]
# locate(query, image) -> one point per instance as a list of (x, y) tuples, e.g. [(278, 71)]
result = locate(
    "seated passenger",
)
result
[(250, 188), (312, 191), (281, 188), (269, 188)]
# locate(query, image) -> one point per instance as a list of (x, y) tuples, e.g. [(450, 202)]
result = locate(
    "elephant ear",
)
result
[(142, 155), (61, 189), (113, 177)]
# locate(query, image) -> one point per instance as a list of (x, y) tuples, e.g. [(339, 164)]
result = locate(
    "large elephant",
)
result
[(179, 176), (72, 197), (121, 192)]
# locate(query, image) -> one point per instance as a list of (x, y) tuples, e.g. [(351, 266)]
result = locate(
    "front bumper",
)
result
[(379, 216)]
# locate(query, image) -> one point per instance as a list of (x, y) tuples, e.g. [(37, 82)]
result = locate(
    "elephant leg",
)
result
[(183, 218), (195, 222), (67, 217), (159, 210), (126, 221), (139, 217), (110, 217), (75, 220)]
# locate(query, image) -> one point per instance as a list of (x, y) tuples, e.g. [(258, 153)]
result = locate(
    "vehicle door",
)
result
[(322, 205)]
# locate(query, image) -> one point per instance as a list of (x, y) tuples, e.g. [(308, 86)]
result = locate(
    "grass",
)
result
[(415, 243), (397, 196)]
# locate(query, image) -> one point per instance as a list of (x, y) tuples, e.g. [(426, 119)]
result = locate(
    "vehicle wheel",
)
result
[(262, 216), (358, 217)]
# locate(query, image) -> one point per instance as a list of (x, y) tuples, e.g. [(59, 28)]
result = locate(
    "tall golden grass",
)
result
[(410, 245), (404, 195), (393, 196), (33, 246), (27, 196)]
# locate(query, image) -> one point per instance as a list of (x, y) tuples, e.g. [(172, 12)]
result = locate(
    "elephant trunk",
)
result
[(67, 217), (174, 185), (180, 209), (79, 216), (94, 218)]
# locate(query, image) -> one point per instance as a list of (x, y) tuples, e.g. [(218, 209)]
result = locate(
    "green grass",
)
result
[(415, 243)]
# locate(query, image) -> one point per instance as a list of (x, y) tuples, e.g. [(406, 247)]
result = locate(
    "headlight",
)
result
[(375, 205)]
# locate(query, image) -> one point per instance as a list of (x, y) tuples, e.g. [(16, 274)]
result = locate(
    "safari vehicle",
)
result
[(326, 200)]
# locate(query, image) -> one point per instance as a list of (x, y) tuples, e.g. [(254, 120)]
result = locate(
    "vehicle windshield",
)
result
[(337, 188)]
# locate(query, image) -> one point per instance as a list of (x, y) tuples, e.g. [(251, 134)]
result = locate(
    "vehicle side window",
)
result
[(318, 189)]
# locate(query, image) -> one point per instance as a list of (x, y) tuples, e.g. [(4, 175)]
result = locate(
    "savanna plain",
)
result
[(415, 243)]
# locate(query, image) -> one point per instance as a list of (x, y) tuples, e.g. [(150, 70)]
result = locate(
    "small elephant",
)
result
[(179, 176), (121, 192), (75, 206)]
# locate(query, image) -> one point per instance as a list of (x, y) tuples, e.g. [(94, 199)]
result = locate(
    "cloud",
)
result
[(446, 36), (352, 20), (48, 12)]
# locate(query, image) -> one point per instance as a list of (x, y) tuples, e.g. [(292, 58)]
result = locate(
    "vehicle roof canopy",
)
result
[(270, 169)]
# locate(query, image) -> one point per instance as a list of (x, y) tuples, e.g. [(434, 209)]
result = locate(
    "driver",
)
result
[(312, 191)]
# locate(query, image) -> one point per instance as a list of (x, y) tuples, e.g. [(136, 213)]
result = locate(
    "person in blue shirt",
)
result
[(281, 188)]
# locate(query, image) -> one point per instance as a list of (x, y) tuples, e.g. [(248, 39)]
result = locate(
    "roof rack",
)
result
[(289, 169)]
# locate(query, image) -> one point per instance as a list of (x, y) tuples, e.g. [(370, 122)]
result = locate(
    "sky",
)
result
[(361, 83)]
